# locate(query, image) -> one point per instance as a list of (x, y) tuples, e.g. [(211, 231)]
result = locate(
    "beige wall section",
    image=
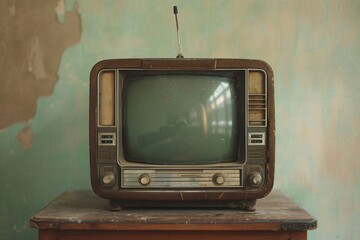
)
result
[(32, 43)]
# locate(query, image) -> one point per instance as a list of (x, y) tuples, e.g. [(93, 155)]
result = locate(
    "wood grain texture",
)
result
[(81, 210), (172, 235), (298, 235)]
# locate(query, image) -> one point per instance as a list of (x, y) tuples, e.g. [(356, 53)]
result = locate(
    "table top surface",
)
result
[(83, 210)]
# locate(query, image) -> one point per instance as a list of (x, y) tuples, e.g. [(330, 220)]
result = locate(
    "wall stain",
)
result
[(25, 138), (32, 43), (36, 64)]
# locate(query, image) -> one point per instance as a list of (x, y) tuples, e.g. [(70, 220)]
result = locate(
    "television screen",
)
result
[(182, 132), (179, 119)]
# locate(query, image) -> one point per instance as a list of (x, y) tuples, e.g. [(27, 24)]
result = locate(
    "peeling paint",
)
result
[(36, 64), (60, 11), (25, 138), (12, 10), (32, 44)]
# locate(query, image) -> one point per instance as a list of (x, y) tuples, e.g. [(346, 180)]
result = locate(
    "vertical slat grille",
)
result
[(257, 99), (106, 154)]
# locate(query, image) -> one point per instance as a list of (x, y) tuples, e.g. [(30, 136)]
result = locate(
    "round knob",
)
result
[(144, 179), (108, 178), (255, 178), (218, 179)]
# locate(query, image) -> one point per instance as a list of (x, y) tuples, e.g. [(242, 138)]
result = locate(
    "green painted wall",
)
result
[(313, 47)]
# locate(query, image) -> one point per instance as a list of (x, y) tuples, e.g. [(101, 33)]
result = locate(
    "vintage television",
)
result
[(182, 132)]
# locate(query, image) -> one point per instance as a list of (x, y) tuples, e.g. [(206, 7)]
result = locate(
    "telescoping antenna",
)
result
[(177, 33)]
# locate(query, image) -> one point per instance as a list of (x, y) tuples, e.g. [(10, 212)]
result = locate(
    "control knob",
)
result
[(255, 178), (144, 179), (218, 179), (108, 178)]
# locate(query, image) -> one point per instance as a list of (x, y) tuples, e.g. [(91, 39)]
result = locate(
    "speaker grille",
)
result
[(256, 153), (107, 154), (257, 99)]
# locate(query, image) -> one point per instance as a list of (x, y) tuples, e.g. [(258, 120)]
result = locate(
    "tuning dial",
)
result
[(144, 179), (108, 178), (218, 179), (255, 179)]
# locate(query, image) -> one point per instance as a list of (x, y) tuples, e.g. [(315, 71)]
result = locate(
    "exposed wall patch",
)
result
[(25, 138), (60, 11), (36, 60), (32, 44), (12, 10)]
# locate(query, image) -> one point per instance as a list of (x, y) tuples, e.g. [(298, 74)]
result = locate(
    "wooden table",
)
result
[(83, 215)]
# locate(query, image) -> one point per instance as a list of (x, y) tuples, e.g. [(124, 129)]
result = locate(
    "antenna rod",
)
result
[(177, 33)]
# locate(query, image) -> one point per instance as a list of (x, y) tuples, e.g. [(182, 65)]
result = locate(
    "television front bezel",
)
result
[(198, 194)]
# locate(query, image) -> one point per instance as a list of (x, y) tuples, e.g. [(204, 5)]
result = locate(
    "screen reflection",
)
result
[(180, 119)]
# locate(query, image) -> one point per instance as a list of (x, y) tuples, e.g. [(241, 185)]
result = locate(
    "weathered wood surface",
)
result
[(79, 210)]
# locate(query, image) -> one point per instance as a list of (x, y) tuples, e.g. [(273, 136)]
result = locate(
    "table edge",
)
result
[(259, 226)]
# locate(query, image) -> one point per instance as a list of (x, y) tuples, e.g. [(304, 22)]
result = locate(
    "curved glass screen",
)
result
[(180, 119)]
